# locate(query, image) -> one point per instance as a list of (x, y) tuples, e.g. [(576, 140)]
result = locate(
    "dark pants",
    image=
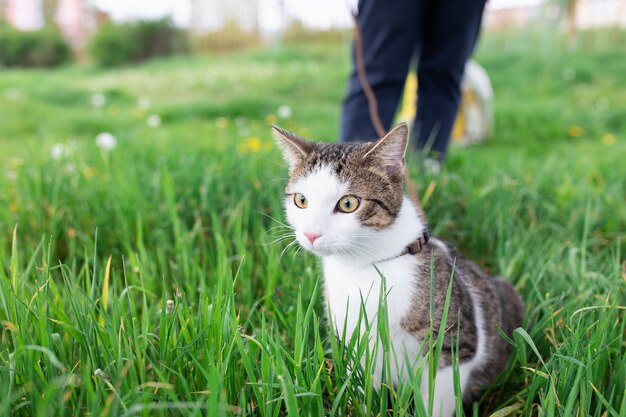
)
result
[(441, 35)]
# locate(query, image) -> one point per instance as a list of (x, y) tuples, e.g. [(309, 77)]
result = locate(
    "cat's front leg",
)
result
[(444, 399)]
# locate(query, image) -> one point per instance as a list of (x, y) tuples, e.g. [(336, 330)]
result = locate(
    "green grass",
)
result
[(186, 212)]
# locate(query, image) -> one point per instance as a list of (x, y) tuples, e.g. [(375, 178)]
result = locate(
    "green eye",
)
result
[(300, 200), (348, 203)]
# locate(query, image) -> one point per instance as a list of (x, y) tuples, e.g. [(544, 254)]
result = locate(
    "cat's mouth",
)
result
[(316, 247), (322, 247)]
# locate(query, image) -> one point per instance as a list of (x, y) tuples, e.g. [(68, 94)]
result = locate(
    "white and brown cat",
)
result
[(347, 205)]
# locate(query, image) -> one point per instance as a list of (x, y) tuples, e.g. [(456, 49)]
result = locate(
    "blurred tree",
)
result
[(49, 10), (38, 48), (110, 46), (567, 13), (571, 30)]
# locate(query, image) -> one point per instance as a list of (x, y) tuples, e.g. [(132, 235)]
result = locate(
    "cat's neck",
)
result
[(387, 243)]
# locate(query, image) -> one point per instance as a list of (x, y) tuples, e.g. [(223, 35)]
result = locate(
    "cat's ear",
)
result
[(294, 148), (391, 148)]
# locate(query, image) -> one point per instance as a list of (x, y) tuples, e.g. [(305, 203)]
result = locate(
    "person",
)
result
[(441, 35)]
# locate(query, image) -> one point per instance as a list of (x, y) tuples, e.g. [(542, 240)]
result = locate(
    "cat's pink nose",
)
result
[(311, 236)]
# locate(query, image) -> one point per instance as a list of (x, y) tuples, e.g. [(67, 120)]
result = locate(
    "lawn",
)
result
[(149, 278)]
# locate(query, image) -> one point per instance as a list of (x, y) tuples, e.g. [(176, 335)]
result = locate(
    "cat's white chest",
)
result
[(350, 289)]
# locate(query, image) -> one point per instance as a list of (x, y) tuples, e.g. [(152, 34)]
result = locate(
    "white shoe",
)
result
[(431, 166)]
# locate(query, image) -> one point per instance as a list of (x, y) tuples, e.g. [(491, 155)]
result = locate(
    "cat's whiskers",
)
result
[(281, 179), (279, 227), (360, 254), (279, 234), (274, 219), (287, 248), (280, 238), (275, 162), (353, 254), (364, 246), (276, 234), (281, 231)]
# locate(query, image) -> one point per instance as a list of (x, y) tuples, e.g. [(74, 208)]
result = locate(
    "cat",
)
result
[(346, 204)]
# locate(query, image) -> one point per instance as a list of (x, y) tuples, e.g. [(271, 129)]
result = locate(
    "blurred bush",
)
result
[(117, 44), (113, 44), (41, 48), (230, 37), (298, 32)]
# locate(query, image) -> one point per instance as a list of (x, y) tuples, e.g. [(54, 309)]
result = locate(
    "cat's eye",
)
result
[(300, 200), (348, 203)]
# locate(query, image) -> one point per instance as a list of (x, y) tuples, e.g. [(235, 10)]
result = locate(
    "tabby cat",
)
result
[(346, 204)]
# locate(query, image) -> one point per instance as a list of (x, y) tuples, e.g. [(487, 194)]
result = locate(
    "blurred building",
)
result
[(216, 15), (600, 13), (268, 18), (507, 14), (24, 14)]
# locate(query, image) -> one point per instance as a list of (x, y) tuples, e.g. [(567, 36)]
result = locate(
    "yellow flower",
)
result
[(270, 119), (575, 131), (221, 122), (14, 163), (252, 144), (609, 139), (13, 207), (89, 172)]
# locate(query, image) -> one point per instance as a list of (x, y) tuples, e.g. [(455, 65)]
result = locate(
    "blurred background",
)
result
[(113, 33), (84, 27)]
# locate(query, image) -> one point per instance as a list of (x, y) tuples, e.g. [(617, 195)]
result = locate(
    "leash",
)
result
[(373, 109)]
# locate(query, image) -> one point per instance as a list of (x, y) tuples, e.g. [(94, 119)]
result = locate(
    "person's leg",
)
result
[(450, 31), (389, 32)]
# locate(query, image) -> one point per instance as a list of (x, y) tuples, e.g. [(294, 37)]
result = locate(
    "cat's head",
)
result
[(340, 195)]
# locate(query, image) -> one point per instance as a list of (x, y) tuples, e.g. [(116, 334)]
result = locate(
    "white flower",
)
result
[(154, 120), (98, 100), (106, 141), (284, 112), (10, 175), (313, 68), (143, 103), (101, 374), (57, 151), (12, 94), (569, 73), (602, 104)]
